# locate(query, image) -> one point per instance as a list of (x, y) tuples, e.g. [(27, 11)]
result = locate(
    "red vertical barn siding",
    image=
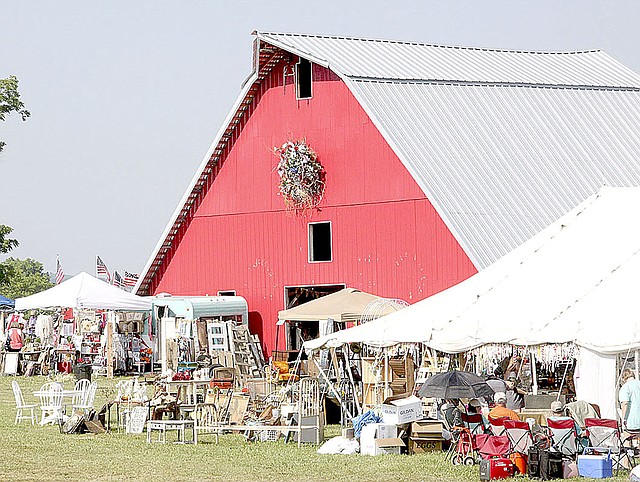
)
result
[(387, 237)]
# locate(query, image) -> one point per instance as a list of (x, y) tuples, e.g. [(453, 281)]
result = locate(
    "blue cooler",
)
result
[(595, 466)]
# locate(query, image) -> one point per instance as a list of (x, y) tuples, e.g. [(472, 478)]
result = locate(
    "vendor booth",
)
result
[(197, 326), (572, 287), (86, 322)]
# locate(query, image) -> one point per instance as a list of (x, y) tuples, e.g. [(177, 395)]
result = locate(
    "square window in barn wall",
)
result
[(320, 242), (303, 79)]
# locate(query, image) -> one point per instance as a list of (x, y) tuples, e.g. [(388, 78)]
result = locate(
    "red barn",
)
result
[(437, 161)]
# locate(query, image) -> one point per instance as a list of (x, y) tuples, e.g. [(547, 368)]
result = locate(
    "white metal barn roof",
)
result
[(502, 142)]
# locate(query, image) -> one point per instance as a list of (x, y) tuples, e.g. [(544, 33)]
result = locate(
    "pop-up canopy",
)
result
[(345, 305), (575, 281), (6, 303), (84, 291)]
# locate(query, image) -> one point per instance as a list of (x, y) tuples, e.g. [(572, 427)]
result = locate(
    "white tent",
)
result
[(577, 280), (84, 291)]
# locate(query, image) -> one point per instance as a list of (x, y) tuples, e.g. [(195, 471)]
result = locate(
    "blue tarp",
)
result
[(4, 301)]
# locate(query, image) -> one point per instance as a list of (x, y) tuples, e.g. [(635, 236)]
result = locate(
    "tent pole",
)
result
[(110, 344), (566, 368), (353, 384), (332, 388), (534, 372)]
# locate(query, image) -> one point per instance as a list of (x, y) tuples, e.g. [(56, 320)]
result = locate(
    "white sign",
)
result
[(136, 419)]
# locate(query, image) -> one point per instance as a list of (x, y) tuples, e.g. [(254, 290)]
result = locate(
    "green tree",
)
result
[(6, 245), (10, 101), (27, 276)]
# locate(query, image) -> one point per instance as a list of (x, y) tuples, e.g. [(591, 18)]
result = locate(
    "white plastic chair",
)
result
[(20, 405), (51, 403), (83, 400)]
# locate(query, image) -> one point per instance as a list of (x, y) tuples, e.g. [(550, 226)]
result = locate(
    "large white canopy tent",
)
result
[(84, 291), (575, 281)]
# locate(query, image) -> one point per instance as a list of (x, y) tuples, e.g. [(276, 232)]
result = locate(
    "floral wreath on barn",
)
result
[(301, 175)]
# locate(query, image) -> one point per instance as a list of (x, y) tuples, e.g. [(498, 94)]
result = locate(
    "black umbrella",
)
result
[(455, 384)]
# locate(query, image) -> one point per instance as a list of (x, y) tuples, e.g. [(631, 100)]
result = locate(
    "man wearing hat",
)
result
[(501, 410)]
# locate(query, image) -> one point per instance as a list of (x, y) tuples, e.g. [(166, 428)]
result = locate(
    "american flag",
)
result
[(130, 279), (101, 270), (117, 280), (59, 272)]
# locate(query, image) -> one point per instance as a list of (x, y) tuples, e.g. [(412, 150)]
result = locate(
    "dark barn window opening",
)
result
[(320, 248), (303, 79)]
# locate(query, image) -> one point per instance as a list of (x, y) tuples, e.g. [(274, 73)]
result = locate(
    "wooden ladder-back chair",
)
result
[(21, 406)]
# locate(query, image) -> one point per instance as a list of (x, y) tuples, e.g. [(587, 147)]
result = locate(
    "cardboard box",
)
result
[(400, 409), (426, 428), (373, 431), (388, 446), (595, 466), (423, 445)]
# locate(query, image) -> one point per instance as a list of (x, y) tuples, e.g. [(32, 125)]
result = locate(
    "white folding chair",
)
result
[(20, 405)]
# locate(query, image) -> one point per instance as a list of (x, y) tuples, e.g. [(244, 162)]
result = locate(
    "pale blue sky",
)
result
[(126, 97)]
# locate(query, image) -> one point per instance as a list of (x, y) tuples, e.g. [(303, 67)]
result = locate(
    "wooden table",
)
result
[(180, 426), (540, 416)]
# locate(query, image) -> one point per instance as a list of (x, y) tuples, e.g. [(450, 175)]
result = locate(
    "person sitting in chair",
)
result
[(559, 412), (475, 407), (501, 410)]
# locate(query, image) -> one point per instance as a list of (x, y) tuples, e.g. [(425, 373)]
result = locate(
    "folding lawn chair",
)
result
[(497, 425), (519, 434), (490, 446), (564, 436), (474, 422), (605, 434)]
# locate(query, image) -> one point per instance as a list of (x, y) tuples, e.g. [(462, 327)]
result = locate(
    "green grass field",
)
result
[(34, 453)]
